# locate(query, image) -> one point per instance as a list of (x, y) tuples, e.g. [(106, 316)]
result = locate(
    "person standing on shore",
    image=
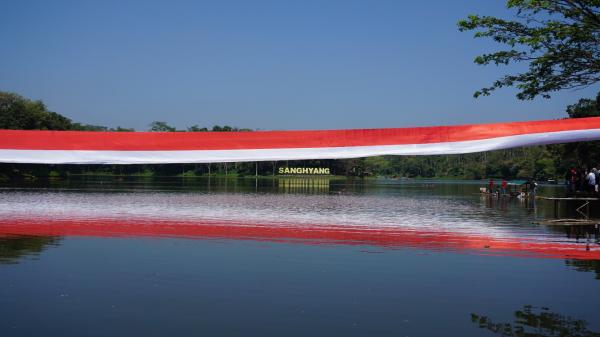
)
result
[(491, 185), (532, 187), (503, 186), (597, 172), (571, 180), (591, 180)]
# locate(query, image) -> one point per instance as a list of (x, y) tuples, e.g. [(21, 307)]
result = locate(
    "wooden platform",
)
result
[(569, 222), (585, 206), (568, 199)]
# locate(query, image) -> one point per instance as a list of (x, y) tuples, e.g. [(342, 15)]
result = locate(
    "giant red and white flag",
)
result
[(81, 147)]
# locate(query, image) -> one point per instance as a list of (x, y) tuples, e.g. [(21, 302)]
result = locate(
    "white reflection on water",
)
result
[(419, 211)]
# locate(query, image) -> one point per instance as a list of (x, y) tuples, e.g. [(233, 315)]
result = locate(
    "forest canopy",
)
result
[(558, 40)]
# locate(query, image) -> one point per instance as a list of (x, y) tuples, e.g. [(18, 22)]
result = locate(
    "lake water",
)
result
[(289, 257)]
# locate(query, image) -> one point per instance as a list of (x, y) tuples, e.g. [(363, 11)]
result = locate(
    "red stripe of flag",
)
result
[(309, 234), (157, 141)]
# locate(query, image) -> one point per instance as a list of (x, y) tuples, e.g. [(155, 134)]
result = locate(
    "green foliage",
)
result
[(158, 126), (533, 162), (227, 128), (120, 129), (196, 128), (558, 39), (87, 127), (580, 154), (379, 165), (585, 107), (19, 113), (218, 128)]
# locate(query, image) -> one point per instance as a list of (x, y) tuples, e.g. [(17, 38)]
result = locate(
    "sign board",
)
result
[(304, 170)]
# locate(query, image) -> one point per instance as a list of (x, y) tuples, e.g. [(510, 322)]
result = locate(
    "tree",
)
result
[(161, 127), (224, 128), (580, 154), (88, 127), (559, 39), (121, 129), (585, 107), (196, 128), (20, 113), (378, 166)]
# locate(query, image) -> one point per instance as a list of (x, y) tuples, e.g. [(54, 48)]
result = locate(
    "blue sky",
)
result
[(259, 64)]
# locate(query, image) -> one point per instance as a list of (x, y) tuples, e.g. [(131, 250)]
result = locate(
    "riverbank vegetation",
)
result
[(539, 162)]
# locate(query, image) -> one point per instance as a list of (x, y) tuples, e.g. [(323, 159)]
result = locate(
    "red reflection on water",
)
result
[(307, 234)]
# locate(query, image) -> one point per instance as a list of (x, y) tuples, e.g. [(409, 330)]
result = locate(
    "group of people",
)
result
[(528, 188), (583, 180), (500, 191)]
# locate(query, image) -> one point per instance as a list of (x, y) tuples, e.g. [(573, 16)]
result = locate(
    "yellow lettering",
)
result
[(304, 170)]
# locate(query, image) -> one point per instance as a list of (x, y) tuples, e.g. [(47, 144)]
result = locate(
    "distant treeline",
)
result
[(538, 162), (20, 113)]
